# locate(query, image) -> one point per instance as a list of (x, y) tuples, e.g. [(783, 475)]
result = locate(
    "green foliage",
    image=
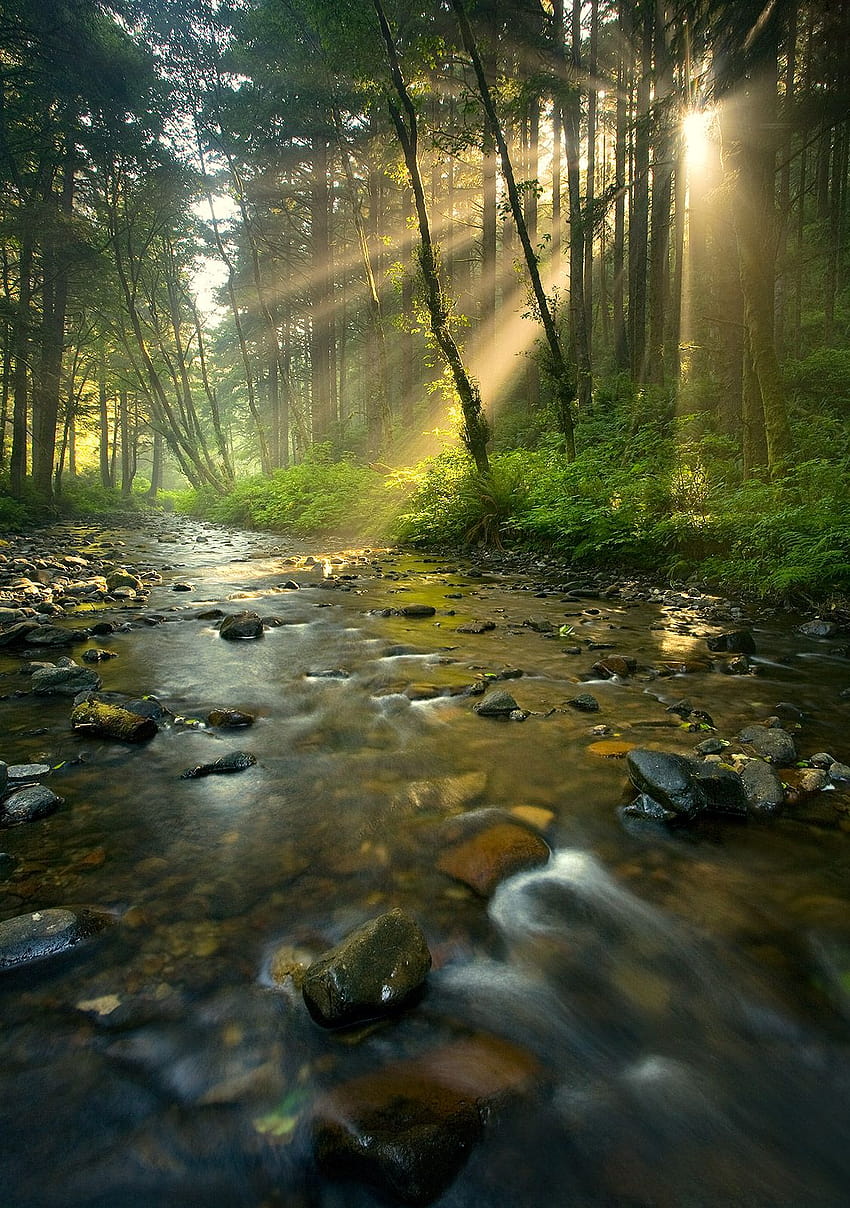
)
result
[(454, 503), (85, 495), (317, 496)]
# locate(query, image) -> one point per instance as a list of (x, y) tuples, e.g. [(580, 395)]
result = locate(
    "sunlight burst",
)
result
[(696, 129)]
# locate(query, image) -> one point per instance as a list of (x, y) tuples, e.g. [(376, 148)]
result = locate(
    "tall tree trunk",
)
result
[(639, 210), (621, 342), (662, 186), (18, 460), (559, 370), (321, 327), (126, 444), (156, 466), (475, 427), (47, 394), (579, 332), (748, 148), (590, 186), (106, 479)]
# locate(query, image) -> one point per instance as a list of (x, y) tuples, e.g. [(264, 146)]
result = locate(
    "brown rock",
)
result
[(111, 721), (408, 1129), (485, 848)]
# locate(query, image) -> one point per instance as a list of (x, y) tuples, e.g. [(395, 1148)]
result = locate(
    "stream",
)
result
[(682, 993)]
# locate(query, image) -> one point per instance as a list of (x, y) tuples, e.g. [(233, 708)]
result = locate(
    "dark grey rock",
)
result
[(710, 746), (28, 805), (235, 761), (369, 974), (722, 789), (98, 656), (497, 703), (4, 776), (241, 626), (64, 681), (667, 779), (52, 635), (771, 743), (26, 771), (585, 702), (765, 791), (819, 628), (417, 610), (839, 771), (736, 641), (646, 808), (44, 933)]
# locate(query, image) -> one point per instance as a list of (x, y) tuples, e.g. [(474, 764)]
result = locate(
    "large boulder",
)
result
[(497, 703), (409, 1128), (53, 635), (101, 720), (484, 848), (241, 626), (370, 973)]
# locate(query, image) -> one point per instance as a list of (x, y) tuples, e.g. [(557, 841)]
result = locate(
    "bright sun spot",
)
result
[(696, 127)]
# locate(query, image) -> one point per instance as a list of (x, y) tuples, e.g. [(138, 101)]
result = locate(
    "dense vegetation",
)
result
[(506, 271)]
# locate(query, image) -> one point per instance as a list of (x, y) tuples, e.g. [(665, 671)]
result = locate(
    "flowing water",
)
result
[(686, 992)]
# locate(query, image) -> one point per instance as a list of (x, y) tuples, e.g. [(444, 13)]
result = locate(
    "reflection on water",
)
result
[(685, 992)]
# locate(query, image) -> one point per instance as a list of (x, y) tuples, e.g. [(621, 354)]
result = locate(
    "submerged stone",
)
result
[(486, 847), (497, 703), (408, 1129), (33, 937), (737, 641), (64, 681), (773, 744), (234, 761)]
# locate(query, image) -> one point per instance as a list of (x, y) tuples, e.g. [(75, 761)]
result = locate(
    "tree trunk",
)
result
[(18, 460), (662, 186), (321, 327), (747, 133), (475, 428), (639, 210), (621, 342), (579, 333)]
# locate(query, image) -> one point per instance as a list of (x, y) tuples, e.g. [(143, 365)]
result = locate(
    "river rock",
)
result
[(585, 702), (819, 628), (241, 626), (839, 771), (736, 641), (4, 775), (765, 791), (27, 805), (234, 761), (52, 635), (476, 627), (369, 974), (16, 635), (615, 664), (408, 1129), (121, 577), (667, 779), (101, 720), (25, 771), (33, 937), (497, 703), (771, 743), (416, 610), (722, 789), (484, 848), (64, 681), (229, 719)]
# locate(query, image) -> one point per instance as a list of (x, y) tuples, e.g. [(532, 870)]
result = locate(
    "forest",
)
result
[(570, 276)]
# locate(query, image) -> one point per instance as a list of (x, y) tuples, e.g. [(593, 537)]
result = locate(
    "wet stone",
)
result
[(765, 791), (736, 641), (241, 626), (235, 761), (497, 703), (484, 848), (585, 702), (819, 628), (25, 771), (409, 1128), (28, 805), (31, 937), (476, 627), (369, 974), (230, 719), (771, 743), (416, 610), (667, 779), (52, 635), (64, 681)]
